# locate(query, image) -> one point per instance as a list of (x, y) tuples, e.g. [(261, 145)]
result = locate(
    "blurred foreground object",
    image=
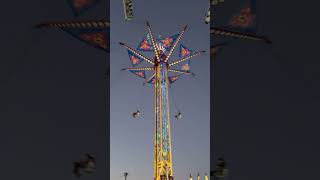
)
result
[(88, 165), (221, 170), (216, 2)]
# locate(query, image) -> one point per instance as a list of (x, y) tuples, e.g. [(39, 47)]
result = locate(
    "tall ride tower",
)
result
[(160, 68)]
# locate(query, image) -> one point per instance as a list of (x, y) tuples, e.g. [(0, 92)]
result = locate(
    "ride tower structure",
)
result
[(160, 78)]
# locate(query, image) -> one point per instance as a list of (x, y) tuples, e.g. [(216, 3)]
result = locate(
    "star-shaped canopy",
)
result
[(162, 49)]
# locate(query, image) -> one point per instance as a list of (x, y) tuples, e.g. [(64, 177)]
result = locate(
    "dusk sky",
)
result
[(132, 140)]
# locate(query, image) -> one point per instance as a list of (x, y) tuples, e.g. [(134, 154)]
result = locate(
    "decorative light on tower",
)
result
[(163, 49), (206, 176)]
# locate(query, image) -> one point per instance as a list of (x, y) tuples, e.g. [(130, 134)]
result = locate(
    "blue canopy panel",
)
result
[(79, 7), (173, 79), (145, 45), (186, 66), (185, 52), (140, 73), (96, 37), (168, 42), (135, 60)]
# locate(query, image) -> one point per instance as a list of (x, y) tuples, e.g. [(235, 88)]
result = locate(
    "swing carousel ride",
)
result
[(160, 78)]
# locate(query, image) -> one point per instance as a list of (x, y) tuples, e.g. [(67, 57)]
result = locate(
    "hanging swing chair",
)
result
[(136, 114), (178, 115)]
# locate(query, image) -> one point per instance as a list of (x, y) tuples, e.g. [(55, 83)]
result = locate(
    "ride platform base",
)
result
[(164, 177)]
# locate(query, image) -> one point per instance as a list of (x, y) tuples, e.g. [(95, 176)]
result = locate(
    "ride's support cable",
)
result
[(174, 101)]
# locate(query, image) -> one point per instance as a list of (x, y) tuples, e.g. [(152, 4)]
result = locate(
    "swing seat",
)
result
[(178, 116), (136, 114)]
